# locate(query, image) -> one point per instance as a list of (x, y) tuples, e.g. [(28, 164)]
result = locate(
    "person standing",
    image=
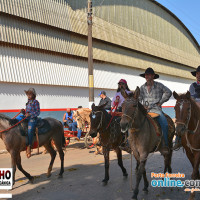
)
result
[(105, 99)]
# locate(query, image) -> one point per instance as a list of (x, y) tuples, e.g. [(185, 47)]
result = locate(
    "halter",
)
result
[(83, 120)]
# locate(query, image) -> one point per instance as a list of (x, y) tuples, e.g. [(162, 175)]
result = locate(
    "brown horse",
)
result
[(188, 128), (15, 142), (144, 137), (82, 116), (110, 136)]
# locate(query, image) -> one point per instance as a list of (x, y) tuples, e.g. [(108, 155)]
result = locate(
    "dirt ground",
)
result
[(84, 173)]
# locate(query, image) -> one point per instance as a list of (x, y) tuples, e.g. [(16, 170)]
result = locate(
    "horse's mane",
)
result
[(6, 118), (196, 108)]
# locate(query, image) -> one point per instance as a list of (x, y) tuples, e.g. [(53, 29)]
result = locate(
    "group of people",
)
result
[(152, 95)]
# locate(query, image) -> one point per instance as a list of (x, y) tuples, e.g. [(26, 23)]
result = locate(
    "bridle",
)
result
[(133, 116), (188, 117), (101, 121)]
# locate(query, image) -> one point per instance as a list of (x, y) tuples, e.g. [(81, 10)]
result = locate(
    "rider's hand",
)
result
[(158, 104), (27, 114)]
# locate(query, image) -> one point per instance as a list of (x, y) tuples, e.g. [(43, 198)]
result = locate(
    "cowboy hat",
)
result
[(149, 71), (197, 70), (30, 90)]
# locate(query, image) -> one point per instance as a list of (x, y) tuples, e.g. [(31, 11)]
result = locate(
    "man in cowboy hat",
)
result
[(32, 112), (153, 94), (195, 94), (195, 87)]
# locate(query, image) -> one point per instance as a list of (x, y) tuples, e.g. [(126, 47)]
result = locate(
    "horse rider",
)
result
[(105, 99), (118, 99), (195, 94), (32, 112), (154, 94)]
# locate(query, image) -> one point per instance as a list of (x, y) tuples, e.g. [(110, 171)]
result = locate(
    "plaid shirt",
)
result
[(33, 107), (158, 94)]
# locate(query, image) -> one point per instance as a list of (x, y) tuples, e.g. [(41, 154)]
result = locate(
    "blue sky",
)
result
[(188, 11)]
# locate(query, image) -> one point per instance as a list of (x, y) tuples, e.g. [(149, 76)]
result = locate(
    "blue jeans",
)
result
[(32, 122), (73, 127), (164, 126)]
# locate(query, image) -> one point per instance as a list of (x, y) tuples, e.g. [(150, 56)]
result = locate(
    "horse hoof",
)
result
[(145, 191), (60, 176), (104, 182), (125, 175), (134, 198), (48, 175), (31, 179)]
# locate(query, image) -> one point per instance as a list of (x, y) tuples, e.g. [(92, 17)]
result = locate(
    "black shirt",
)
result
[(103, 101)]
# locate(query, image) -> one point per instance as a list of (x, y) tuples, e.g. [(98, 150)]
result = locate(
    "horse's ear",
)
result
[(124, 94), (93, 105), (175, 95), (188, 95), (136, 93)]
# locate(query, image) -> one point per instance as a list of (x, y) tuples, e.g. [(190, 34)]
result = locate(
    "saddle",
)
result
[(43, 126)]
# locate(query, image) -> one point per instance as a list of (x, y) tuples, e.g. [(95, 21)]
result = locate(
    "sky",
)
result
[(188, 11)]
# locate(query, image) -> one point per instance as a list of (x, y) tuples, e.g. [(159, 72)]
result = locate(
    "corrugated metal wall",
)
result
[(59, 15)]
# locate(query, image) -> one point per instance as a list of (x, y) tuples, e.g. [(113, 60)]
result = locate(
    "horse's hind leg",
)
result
[(52, 152), (61, 154), (120, 162), (19, 165)]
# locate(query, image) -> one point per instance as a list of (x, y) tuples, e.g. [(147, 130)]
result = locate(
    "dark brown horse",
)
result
[(15, 143), (144, 137), (188, 128), (110, 136)]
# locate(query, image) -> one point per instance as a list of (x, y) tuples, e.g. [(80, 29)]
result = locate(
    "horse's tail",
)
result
[(63, 136)]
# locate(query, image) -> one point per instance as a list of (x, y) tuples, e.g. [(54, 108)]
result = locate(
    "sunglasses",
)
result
[(121, 84)]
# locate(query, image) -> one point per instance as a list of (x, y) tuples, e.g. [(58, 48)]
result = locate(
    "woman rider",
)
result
[(32, 112)]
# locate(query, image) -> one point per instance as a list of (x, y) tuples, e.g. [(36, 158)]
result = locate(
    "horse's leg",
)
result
[(13, 161), (61, 154), (106, 152), (120, 162), (52, 152), (19, 165), (167, 162), (140, 172), (146, 182)]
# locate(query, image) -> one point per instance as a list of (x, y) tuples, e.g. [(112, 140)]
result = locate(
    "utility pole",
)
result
[(90, 55)]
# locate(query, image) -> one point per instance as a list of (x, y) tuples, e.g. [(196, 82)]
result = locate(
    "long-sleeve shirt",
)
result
[(33, 108), (157, 95), (120, 97), (194, 93), (106, 100)]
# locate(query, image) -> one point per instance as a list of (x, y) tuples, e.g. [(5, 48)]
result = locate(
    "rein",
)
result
[(5, 130)]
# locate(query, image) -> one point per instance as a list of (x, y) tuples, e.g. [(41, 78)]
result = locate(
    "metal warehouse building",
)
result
[(44, 45)]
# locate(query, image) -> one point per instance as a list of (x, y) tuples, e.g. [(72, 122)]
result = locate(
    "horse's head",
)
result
[(96, 119), (80, 120), (182, 111), (129, 109)]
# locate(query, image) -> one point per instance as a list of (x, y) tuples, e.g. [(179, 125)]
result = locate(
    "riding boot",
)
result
[(28, 151)]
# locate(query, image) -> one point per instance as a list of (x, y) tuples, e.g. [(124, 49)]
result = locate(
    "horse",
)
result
[(188, 128), (82, 116), (110, 136), (144, 136), (15, 142)]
